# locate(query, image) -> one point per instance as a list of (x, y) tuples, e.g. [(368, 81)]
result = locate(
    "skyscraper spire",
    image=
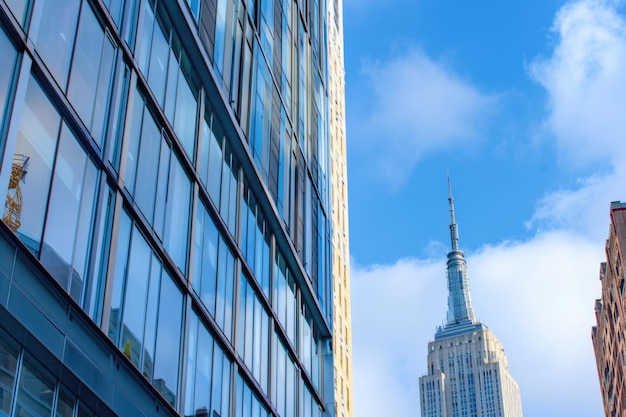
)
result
[(459, 300), (454, 233)]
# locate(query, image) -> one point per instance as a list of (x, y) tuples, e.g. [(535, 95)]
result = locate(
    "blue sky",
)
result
[(523, 102)]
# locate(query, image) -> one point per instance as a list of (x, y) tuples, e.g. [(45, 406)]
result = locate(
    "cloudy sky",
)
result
[(524, 102)]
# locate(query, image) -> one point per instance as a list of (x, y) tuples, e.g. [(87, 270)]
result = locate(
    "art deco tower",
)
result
[(468, 372)]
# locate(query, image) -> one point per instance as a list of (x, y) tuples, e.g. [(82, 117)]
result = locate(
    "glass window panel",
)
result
[(8, 53), (167, 356), (27, 196), (225, 388), (115, 9), (36, 391), (104, 91), (257, 361), (213, 181), (18, 8), (84, 232), (249, 322), (61, 226), (144, 36), (204, 371), (135, 299), (83, 411), (177, 217), (241, 315), (55, 39), (147, 166), (95, 284), (185, 119), (190, 371), (203, 162), (228, 296), (121, 259), (161, 192), (205, 280), (151, 318), (159, 55), (86, 65), (172, 81), (134, 136), (220, 37), (216, 392), (65, 404), (8, 366)]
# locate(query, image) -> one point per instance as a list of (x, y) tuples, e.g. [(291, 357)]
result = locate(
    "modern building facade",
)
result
[(166, 246), (608, 334), (342, 342), (468, 373)]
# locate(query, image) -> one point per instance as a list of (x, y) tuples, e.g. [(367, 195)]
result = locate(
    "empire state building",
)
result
[(468, 373)]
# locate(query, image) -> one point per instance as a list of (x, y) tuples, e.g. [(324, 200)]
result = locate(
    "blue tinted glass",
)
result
[(167, 357), (18, 8), (158, 64), (144, 36), (135, 299), (204, 370), (185, 119), (220, 37), (32, 167), (55, 39), (58, 248), (121, 259), (147, 166), (7, 51), (33, 397), (8, 364), (177, 217)]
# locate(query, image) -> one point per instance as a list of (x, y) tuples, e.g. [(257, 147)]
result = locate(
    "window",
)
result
[(33, 159), (8, 370), (7, 64), (214, 269), (55, 38), (71, 211), (150, 307), (89, 87), (168, 72), (253, 327), (165, 203)]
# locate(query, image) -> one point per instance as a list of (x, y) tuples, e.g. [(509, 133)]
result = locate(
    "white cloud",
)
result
[(416, 106), (536, 296), (585, 78)]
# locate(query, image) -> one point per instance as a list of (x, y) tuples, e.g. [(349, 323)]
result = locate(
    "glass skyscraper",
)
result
[(166, 244), (468, 373)]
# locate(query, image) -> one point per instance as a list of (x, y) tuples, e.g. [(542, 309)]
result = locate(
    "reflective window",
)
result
[(194, 6), (167, 69), (151, 307), (92, 70), (248, 404), (214, 269), (32, 167), (199, 369), (8, 369), (169, 332), (220, 393), (255, 240), (253, 328), (70, 215), (220, 38), (18, 8), (284, 301), (284, 379), (211, 156), (36, 391), (176, 237), (7, 64), (116, 7), (55, 39)]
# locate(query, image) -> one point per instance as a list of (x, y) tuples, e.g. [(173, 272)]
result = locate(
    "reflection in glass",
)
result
[(8, 365), (69, 215), (169, 330), (205, 258), (8, 54), (135, 298), (119, 276), (18, 8), (55, 39), (34, 155), (36, 391), (177, 217), (92, 68)]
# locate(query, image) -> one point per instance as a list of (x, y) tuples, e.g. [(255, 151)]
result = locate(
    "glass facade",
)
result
[(164, 167)]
